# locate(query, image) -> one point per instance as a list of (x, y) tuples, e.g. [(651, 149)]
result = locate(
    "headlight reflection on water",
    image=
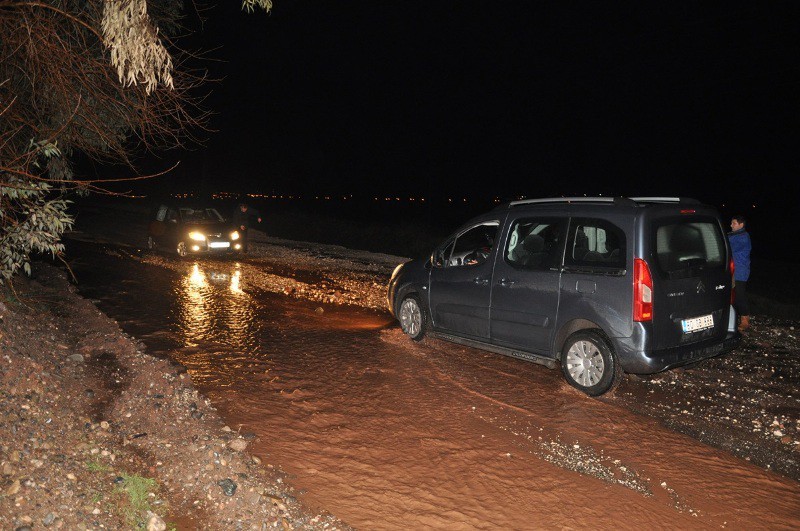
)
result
[(235, 278), (196, 277), (213, 308)]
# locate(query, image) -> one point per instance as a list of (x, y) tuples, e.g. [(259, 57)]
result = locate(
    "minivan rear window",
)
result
[(687, 244)]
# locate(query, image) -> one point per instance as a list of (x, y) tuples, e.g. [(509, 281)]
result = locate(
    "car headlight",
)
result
[(235, 235), (396, 271), (197, 236)]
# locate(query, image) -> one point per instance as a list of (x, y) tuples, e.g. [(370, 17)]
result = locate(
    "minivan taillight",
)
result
[(642, 291), (733, 282)]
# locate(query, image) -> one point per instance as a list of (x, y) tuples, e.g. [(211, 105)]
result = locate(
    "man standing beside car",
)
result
[(242, 218), (740, 246)]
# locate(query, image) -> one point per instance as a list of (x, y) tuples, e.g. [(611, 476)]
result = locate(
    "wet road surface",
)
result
[(387, 433)]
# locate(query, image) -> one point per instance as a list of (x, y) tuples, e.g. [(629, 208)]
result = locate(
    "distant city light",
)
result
[(228, 196)]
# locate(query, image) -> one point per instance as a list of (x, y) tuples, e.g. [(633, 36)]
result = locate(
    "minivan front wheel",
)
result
[(412, 318), (589, 364)]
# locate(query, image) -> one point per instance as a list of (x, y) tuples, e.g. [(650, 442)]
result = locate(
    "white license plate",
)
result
[(698, 323), (219, 245)]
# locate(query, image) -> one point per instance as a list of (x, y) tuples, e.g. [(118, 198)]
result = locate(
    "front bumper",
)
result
[(391, 292), (196, 247)]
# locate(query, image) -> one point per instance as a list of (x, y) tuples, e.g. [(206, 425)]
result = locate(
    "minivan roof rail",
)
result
[(684, 200), (630, 201), (562, 200)]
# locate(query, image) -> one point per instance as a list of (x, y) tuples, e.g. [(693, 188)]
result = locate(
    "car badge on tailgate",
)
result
[(701, 288)]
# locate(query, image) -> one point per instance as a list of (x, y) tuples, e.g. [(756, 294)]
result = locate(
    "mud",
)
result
[(746, 402), (387, 433), (112, 379)]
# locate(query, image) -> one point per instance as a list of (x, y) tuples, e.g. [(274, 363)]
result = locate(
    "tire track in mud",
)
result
[(549, 447), (540, 433)]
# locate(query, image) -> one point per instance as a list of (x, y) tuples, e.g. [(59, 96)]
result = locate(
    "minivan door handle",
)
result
[(505, 282), (479, 280)]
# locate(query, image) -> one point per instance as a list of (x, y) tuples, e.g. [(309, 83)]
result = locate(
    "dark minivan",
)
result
[(601, 285)]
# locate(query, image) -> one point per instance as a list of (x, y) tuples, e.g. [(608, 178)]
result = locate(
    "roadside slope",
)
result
[(96, 433)]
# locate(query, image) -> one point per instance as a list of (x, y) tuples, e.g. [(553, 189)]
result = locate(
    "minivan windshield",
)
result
[(684, 245)]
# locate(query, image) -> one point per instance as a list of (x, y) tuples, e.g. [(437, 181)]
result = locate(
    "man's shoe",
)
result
[(744, 323)]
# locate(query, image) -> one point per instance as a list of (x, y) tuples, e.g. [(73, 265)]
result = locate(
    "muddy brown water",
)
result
[(390, 434)]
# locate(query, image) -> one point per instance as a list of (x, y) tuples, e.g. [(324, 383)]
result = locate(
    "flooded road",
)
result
[(386, 433)]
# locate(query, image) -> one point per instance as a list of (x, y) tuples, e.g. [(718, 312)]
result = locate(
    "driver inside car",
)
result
[(479, 255)]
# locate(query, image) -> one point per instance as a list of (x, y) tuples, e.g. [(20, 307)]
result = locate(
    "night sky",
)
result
[(504, 99)]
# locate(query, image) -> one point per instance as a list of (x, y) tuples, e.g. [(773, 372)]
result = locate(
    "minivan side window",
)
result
[(471, 247), (595, 242), (535, 243)]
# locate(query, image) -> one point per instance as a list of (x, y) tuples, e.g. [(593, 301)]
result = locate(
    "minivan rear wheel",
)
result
[(589, 364), (412, 317)]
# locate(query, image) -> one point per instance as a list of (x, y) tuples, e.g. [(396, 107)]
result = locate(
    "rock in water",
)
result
[(228, 486)]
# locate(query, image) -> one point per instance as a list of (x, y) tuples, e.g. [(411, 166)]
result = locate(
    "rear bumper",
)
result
[(638, 362)]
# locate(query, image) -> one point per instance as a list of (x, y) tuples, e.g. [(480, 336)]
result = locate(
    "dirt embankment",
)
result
[(96, 434)]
